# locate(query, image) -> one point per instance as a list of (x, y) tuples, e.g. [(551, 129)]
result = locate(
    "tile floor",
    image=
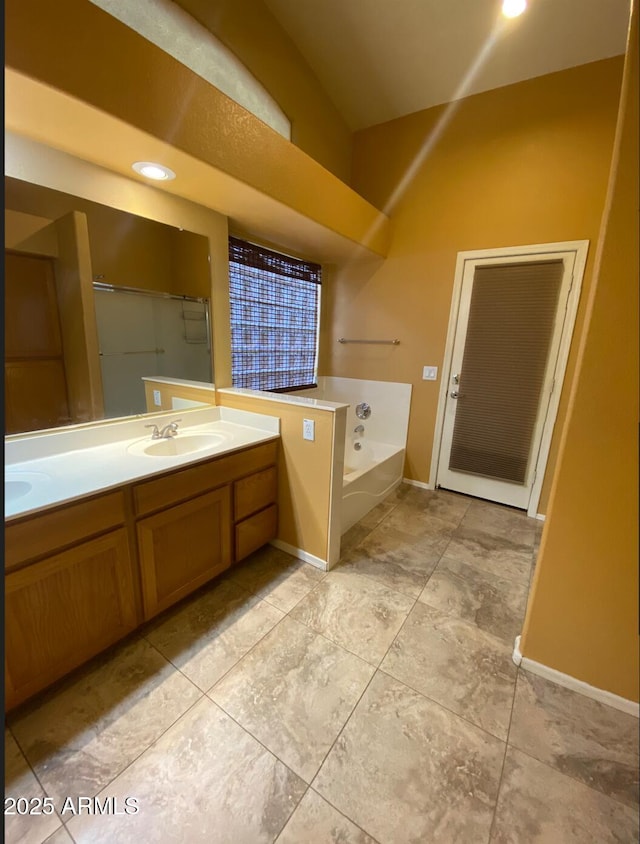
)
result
[(375, 703)]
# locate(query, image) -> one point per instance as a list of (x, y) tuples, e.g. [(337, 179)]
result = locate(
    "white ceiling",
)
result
[(382, 59)]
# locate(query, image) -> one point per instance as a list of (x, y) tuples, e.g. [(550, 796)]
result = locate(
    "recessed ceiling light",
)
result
[(513, 8), (151, 170)]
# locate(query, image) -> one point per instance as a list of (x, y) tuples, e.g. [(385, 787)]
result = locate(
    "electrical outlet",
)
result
[(156, 398), (429, 373), (308, 429)]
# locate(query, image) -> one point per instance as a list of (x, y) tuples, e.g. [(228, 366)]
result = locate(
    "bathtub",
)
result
[(369, 476)]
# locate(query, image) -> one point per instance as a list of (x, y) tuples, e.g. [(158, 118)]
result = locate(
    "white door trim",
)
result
[(580, 248)]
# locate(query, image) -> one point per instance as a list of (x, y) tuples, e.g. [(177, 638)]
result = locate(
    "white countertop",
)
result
[(56, 466), (180, 382), (284, 398)]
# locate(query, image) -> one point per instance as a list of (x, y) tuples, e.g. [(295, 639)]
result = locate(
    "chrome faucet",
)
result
[(359, 429), (170, 430)]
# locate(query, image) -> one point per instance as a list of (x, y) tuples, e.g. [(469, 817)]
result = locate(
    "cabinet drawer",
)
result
[(185, 484), (35, 536), (63, 610), (254, 492), (255, 531)]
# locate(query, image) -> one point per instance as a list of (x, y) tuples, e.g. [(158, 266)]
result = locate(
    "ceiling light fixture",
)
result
[(513, 8), (151, 170)]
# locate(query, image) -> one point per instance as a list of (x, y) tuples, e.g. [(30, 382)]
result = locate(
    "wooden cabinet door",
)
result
[(183, 547), (65, 609)]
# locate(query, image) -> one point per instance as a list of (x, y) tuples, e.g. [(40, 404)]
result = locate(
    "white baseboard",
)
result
[(420, 484), (300, 554), (569, 682), (541, 517)]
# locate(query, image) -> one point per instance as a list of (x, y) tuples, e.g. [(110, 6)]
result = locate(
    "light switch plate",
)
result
[(429, 373), (308, 429), (156, 398)]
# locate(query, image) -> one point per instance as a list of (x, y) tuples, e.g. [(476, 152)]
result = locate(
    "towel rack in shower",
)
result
[(376, 342)]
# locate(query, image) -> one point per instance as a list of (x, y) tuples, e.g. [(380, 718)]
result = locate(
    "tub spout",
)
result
[(359, 429)]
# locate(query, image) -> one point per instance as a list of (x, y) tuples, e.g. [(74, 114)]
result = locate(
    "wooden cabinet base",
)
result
[(81, 576), (65, 609)]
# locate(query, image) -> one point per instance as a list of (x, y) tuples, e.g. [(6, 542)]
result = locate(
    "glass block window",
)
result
[(275, 306)]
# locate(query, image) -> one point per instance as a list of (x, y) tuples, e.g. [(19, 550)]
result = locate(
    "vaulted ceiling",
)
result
[(381, 59)]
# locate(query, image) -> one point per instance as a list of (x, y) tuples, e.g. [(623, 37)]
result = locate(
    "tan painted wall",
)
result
[(29, 233), (249, 29), (523, 164), (305, 471), (171, 391), (582, 617), (127, 250)]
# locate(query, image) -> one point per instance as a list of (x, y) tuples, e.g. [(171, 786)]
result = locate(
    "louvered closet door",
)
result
[(505, 352)]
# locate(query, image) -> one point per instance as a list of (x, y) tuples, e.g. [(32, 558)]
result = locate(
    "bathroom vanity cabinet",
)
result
[(191, 525), (81, 576), (73, 594)]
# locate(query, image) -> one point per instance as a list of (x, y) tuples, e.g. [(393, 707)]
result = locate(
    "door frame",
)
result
[(580, 249)]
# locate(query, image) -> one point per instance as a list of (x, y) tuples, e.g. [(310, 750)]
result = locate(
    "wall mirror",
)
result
[(96, 299)]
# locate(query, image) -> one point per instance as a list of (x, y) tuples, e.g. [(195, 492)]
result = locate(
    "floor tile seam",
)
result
[(294, 810), (271, 752), (574, 779), (337, 738), (195, 703), (398, 632), (442, 706), (335, 644), (62, 823), (504, 756), (380, 583), (286, 612), (483, 571), (507, 642), (149, 626), (68, 831), (132, 761), (246, 654), (474, 564), (376, 582), (244, 608), (344, 815), (176, 667), (37, 779), (153, 743), (331, 641), (521, 547)]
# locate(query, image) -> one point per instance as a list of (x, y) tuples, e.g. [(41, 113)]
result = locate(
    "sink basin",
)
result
[(16, 489), (19, 484), (178, 445)]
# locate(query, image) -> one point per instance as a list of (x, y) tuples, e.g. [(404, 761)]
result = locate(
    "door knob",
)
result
[(454, 394)]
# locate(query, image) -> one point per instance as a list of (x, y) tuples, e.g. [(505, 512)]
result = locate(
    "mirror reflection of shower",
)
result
[(141, 334), (87, 242)]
